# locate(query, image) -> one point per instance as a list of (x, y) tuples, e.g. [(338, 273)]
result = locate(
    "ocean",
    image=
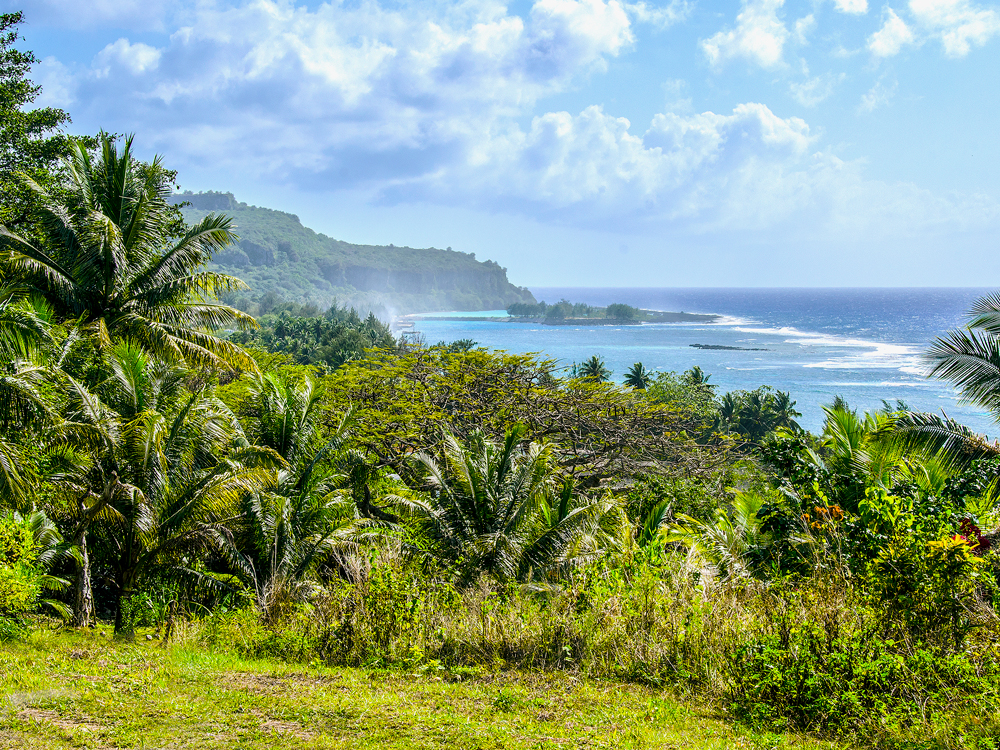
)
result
[(865, 345)]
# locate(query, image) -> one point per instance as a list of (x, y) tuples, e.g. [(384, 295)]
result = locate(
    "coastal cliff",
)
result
[(276, 254)]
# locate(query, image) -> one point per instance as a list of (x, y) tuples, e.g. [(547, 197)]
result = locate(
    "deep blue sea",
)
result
[(863, 344)]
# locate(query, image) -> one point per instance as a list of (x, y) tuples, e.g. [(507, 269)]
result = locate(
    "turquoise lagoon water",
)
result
[(863, 344)]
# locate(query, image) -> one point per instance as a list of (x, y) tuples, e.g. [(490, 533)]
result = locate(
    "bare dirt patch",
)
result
[(58, 721)]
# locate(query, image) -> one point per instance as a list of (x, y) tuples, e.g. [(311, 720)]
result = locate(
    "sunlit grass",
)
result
[(82, 690)]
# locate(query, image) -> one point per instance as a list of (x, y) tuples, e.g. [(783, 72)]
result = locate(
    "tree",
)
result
[(30, 146), (728, 539), (619, 311), (495, 509), (173, 468), (638, 377), (297, 518), (698, 378), (108, 261), (757, 413), (594, 369)]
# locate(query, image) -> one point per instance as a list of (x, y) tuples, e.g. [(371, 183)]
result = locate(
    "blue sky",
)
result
[(577, 142)]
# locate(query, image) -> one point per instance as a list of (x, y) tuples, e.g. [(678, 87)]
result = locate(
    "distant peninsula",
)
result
[(720, 347), (278, 257), (566, 313)]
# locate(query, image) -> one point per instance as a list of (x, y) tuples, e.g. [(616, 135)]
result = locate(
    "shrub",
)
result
[(20, 582)]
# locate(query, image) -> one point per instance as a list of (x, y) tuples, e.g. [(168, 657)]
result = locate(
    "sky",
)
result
[(575, 142)]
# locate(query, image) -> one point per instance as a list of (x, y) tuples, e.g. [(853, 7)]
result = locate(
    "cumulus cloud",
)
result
[(889, 40), (804, 27), (661, 17), (877, 96), (348, 92), (135, 58), (432, 104), (858, 7), (759, 36), (56, 81), (812, 91), (957, 23)]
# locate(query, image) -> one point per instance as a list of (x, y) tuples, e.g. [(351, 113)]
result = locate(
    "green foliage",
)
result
[(564, 309), (595, 430), (593, 369), (494, 509), (20, 581), (619, 311), (683, 392), (638, 377), (279, 258), (338, 337), (933, 588), (753, 415), (30, 144), (109, 260)]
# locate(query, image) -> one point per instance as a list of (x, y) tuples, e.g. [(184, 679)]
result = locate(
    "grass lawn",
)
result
[(82, 690)]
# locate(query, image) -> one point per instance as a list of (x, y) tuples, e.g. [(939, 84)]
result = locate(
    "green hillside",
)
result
[(278, 256)]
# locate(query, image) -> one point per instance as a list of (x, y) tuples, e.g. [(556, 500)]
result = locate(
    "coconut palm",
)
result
[(594, 369), (495, 509), (970, 357), (638, 377), (698, 377), (110, 260), (293, 522), (172, 470)]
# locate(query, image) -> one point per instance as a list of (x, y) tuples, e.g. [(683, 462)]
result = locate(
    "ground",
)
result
[(72, 689)]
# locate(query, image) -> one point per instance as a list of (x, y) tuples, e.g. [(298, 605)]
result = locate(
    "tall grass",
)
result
[(814, 654)]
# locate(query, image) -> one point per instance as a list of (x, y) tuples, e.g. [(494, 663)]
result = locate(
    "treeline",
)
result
[(461, 510), (331, 339), (565, 309)]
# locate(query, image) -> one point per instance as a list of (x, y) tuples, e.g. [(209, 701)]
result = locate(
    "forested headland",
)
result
[(204, 515), (282, 261)]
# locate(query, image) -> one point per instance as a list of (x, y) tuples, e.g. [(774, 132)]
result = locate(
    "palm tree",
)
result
[(726, 541), (172, 470), (594, 369), (494, 509), (23, 327), (109, 259), (638, 377), (299, 517), (969, 358), (697, 377)]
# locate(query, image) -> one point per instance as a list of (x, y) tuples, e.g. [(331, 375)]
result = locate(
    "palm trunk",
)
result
[(83, 604)]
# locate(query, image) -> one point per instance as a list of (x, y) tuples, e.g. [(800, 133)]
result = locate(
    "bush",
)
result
[(20, 582)]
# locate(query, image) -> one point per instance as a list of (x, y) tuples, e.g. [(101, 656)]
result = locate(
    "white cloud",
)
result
[(759, 36), (857, 7), (957, 23), (56, 81), (659, 16), (889, 40), (430, 104), (812, 91), (877, 96), (804, 27), (133, 58)]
